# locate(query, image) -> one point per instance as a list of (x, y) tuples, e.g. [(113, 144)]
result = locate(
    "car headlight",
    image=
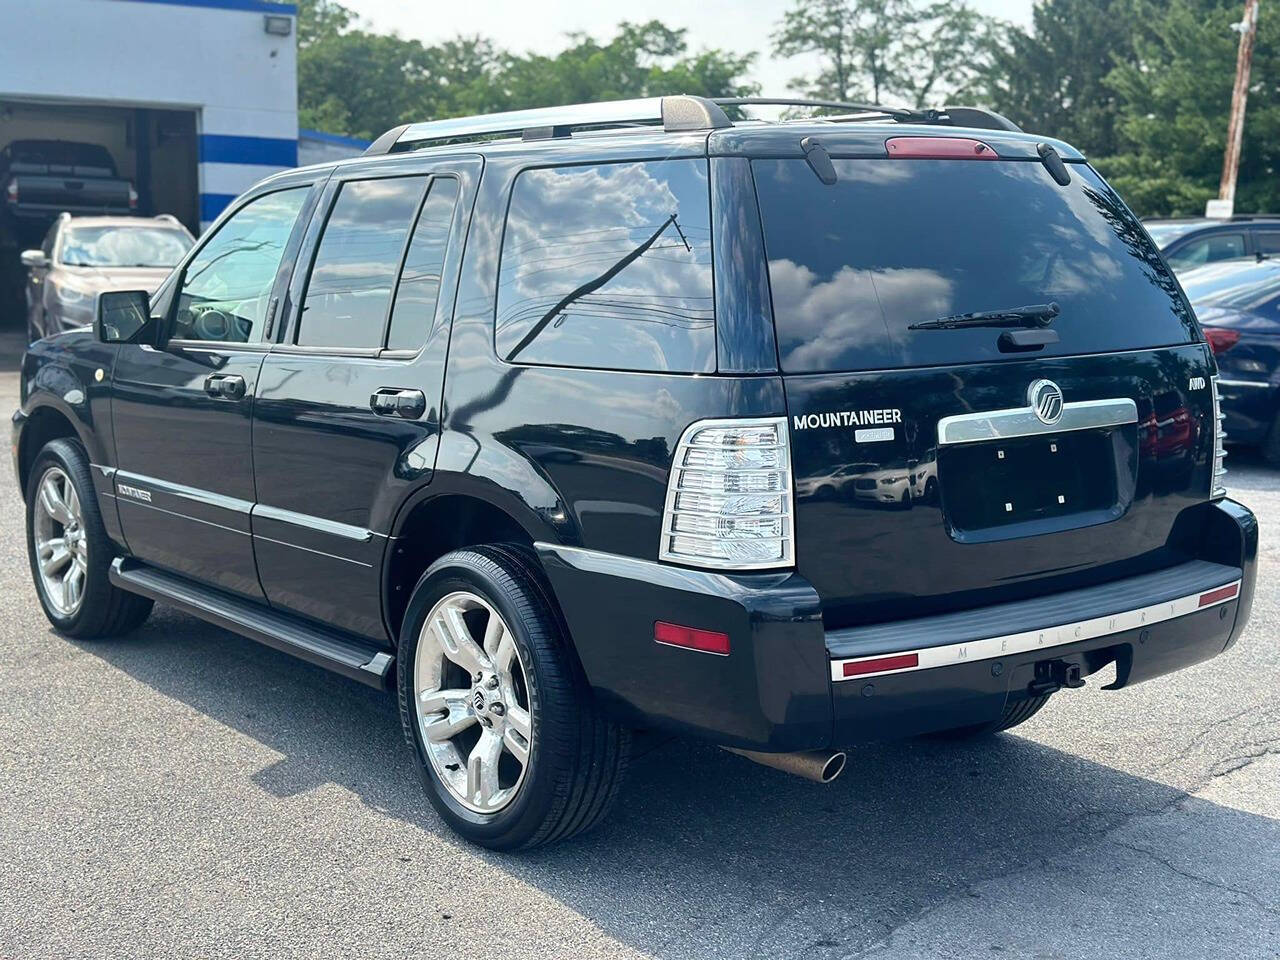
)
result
[(70, 296)]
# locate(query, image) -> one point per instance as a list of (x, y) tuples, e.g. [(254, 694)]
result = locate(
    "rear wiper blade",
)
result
[(1032, 315)]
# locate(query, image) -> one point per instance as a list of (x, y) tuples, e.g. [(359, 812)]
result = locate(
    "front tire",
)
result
[(512, 750), (69, 550)]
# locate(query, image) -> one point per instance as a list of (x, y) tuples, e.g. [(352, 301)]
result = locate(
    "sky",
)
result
[(540, 25)]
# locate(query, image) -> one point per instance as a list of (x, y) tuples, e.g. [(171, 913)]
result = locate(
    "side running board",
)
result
[(330, 649)]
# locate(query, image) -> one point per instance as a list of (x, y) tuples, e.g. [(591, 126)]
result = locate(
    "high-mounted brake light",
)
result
[(729, 503), (1221, 339), (940, 148)]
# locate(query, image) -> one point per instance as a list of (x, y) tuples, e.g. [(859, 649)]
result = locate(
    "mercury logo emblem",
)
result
[(1045, 398)]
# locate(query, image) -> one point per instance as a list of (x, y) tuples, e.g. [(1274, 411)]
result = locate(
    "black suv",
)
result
[(545, 421), (1193, 242)]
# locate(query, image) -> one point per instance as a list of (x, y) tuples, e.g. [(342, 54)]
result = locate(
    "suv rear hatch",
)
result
[(962, 495)]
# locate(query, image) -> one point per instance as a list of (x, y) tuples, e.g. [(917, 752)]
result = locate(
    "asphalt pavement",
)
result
[(183, 792)]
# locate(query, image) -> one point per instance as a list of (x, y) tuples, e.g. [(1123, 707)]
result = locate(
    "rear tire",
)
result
[(1015, 712), (574, 758), (78, 542)]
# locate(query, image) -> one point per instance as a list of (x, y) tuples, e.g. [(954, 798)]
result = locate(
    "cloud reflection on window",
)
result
[(609, 266)]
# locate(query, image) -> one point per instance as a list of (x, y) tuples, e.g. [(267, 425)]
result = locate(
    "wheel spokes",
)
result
[(482, 769), (53, 555), (455, 639), (51, 499), (456, 717)]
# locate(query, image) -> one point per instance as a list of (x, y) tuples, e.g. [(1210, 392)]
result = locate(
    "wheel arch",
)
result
[(437, 522), (44, 422)]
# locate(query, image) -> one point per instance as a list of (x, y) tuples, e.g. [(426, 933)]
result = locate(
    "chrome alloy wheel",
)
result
[(471, 696), (62, 553)]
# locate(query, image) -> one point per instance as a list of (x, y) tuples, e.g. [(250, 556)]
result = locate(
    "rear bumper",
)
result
[(787, 684)]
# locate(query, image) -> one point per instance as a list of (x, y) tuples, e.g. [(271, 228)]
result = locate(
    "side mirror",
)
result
[(121, 315), (34, 259)]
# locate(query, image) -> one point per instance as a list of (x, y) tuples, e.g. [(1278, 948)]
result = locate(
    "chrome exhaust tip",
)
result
[(820, 766)]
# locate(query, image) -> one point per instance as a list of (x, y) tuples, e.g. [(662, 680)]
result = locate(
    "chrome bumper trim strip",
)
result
[(1047, 638)]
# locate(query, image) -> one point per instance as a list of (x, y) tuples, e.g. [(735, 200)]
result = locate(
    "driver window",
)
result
[(227, 286)]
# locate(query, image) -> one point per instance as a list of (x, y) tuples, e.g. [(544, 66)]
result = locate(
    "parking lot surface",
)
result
[(183, 792)]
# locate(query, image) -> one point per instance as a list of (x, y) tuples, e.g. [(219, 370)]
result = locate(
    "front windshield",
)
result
[(124, 246), (1165, 233)]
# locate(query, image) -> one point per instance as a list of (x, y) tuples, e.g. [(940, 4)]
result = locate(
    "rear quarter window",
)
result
[(609, 266), (895, 242)]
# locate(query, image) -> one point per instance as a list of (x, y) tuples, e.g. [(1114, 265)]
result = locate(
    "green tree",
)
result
[(1053, 78), (872, 49), (358, 82)]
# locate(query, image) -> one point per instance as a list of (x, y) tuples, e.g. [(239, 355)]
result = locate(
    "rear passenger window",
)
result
[(609, 266), (1226, 246), (419, 287), (354, 271)]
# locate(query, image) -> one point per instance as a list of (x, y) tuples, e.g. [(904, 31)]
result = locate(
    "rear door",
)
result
[(347, 416), (184, 474), (1010, 503)]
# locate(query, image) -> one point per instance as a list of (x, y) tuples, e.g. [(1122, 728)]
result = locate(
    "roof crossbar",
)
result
[(674, 114)]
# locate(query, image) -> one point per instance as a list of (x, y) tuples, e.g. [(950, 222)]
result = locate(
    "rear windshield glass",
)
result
[(1165, 233), (898, 242), (35, 156)]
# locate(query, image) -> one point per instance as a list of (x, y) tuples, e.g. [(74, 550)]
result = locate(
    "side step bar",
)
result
[(330, 649)]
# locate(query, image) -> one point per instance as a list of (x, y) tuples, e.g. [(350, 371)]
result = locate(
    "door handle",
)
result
[(394, 402), (229, 385)]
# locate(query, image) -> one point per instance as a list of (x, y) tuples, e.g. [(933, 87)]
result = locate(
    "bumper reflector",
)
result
[(1217, 596), (855, 668), (706, 641)]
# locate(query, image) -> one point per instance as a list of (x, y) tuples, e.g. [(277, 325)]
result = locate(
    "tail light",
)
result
[(11, 191), (1221, 339), (729, 503), (133, 198), (1218, 486)]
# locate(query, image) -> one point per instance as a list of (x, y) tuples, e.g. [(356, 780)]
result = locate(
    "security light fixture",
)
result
[(277, 26)]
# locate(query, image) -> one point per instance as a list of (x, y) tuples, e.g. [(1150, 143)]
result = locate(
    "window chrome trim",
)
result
[(989, 648), (1023, 421), (1256, 384)]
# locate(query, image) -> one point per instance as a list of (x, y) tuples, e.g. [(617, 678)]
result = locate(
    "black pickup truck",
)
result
[(43, 178), (571, 422)]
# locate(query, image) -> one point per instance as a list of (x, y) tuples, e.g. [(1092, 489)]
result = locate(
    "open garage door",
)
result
[(155, 150)]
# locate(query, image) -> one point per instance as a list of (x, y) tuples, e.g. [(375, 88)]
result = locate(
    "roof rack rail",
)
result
[(674, 113), (955, 116)]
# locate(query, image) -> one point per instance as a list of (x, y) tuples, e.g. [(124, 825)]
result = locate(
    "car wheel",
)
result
[(512, 750), (69, 550), (1015, 712), (931, 491)]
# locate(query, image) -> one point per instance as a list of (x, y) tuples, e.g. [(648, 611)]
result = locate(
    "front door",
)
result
[(347, 414), (181, 410)]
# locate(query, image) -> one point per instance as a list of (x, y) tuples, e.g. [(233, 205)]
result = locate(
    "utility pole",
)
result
[(1224, 206)]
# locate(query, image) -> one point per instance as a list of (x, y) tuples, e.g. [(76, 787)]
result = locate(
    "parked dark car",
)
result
[(1194, 241), (1238, 305), (43, 178), (83, 256), (531, 417)]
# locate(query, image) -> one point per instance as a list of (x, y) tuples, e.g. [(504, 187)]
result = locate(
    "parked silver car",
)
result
[(84, 256)]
